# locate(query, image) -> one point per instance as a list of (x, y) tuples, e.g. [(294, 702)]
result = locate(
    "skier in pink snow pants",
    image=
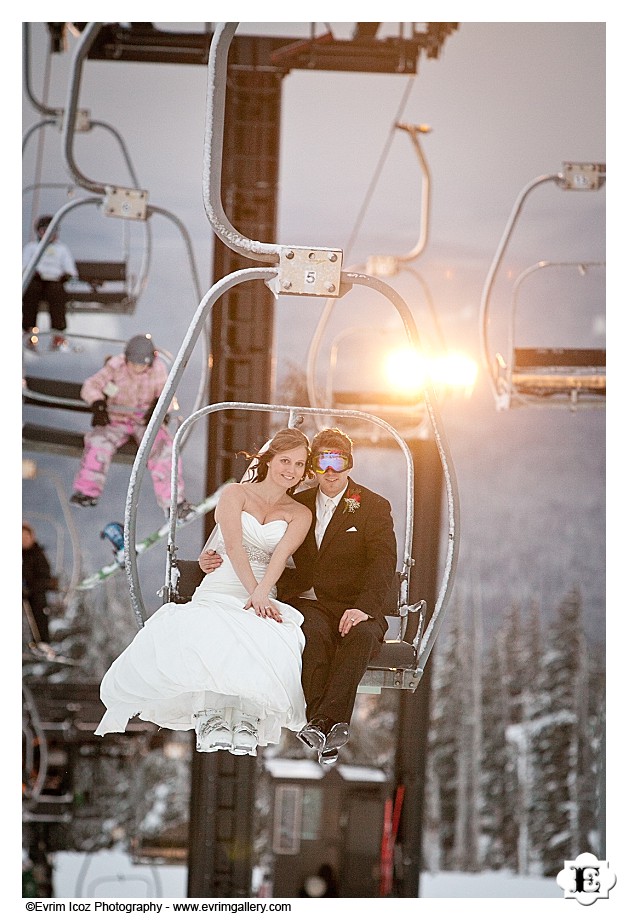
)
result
[(122, 396)]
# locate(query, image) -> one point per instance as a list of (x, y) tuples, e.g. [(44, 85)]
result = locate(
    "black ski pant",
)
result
[(53, 293)]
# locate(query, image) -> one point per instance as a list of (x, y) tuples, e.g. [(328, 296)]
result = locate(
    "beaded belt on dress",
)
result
[(254, 553)]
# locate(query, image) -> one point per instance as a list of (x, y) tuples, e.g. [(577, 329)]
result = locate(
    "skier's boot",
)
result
[(86, 501), (114, 532)]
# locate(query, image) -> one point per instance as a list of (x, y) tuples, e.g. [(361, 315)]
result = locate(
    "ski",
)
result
[(112, 529)]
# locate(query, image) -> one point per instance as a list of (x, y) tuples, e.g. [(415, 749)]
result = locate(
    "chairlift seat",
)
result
[(44, 439), (557, 370), (66, 395), (62, 389), (394, 666), (105, 289)]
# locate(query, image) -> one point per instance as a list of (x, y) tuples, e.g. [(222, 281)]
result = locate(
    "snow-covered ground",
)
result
[(111, 874), (487, 885)]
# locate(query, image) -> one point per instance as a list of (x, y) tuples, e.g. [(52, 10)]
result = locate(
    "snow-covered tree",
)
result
[(498, 782), (561, 742), (449, 693), (540, 727)]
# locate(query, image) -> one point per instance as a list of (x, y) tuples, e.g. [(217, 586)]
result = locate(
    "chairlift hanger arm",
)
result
[(212, 171), (213, 152), (83, 45), (451, 487), (134, 203), (36, 127), (213, 157), (414, 131), (494, 268), (39, 106)]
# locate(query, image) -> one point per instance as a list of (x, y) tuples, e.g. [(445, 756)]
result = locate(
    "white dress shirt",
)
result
[(325, 508)]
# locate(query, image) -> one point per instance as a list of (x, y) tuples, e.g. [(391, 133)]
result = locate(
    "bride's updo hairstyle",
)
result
[(285, 439)]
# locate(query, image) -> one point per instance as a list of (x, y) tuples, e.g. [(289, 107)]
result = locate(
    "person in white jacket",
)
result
[(55, 266), (122, 396)]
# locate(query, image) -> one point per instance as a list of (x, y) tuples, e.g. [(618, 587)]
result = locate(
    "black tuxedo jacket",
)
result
[(356, 563)]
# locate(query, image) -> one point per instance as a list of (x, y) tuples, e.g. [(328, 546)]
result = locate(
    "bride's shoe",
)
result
[(212, 731), (245, 736)]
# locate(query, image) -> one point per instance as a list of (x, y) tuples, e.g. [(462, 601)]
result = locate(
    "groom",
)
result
[(342, 578)]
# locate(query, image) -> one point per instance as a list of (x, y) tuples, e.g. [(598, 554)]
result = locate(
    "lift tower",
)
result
[(221, 846)]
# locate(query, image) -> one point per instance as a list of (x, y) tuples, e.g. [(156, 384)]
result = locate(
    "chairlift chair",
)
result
[(550, 375), (411, 636), (105, 285), (541, 375), (397, 664), (99, 292), (314, 272)]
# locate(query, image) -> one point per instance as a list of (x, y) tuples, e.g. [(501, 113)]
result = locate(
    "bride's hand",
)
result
[(263, 606), (209, 560)]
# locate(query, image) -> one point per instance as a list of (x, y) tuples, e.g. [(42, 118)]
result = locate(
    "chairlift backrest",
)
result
[(102, 287), (64, 395)]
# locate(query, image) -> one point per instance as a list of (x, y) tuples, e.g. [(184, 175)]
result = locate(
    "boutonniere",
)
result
[(352, 502)]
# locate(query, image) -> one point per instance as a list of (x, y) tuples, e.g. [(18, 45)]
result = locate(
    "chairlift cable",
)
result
[(39, 156), (378, 169), (329, 304)]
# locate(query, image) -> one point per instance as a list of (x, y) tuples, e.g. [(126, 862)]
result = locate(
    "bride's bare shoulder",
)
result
[(232, 494), (300, 512), (234, 488)]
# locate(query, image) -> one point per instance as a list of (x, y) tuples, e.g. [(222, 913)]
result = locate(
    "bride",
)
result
[(228, 663)]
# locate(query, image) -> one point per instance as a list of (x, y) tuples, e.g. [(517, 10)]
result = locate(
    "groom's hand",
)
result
[(351, 618), (209, 560)]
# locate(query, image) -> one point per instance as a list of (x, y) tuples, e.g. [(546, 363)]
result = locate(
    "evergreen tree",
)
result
[(542, 769), (559, 740), (497, 818), (469, 740), (594, 791), (512, 663), (444, 737)]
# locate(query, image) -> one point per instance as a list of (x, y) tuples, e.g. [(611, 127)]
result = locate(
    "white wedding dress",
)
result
[(212, 654)]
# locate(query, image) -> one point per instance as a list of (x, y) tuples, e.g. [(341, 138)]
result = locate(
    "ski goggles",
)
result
[(331, 459)]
